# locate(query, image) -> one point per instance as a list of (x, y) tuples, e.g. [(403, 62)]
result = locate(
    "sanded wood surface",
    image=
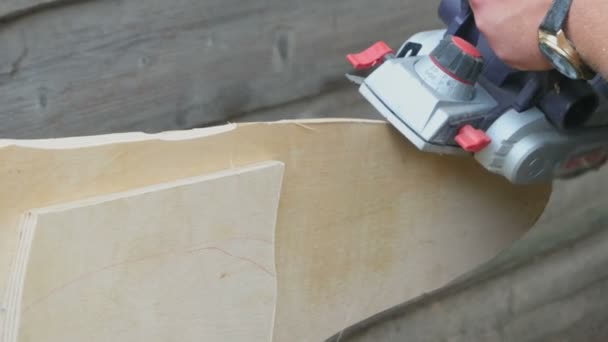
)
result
[(191, 260), (365, 219), (92, 67)]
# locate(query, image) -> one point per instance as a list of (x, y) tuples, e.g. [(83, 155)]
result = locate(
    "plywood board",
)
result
[(365, 219), (191, 260)]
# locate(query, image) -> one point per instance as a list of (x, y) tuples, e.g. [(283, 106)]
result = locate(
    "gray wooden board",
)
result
[(341, 103), (92, 67), (11, 9)]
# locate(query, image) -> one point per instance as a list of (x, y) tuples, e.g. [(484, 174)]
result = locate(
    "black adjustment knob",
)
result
[(458, 58)]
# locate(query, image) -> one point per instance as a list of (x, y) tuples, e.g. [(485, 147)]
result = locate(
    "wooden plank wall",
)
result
[(82, 67)]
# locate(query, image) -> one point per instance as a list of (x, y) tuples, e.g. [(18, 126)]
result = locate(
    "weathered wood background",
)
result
[(89, 67), (82, 67)]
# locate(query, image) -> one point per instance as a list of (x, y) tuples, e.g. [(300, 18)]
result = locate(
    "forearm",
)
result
[(587, 27)]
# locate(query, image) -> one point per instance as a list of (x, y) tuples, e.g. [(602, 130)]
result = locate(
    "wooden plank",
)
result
[(365, 220), (98, 67), (191, 260), (12, 9)]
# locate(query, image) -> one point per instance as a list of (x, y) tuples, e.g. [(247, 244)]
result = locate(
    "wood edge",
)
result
[(176, 135), (276, 209), (14, 290)]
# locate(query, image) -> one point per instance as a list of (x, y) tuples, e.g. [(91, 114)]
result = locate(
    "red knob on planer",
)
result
[(459, 59)]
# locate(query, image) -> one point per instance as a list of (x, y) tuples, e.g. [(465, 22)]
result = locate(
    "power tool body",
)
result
[(447, 92)]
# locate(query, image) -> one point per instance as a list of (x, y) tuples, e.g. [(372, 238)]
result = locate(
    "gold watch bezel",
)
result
[(559, 43)]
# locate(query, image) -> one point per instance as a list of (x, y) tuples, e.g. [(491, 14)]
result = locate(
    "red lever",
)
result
[(471, 139), (370, 56)]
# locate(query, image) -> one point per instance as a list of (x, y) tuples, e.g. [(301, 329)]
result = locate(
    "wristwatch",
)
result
[(558, 49)]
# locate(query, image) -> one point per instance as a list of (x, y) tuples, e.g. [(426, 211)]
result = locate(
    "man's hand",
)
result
[(511, 28)]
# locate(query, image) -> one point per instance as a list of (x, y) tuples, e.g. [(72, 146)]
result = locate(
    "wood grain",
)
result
[(365, 219), (94, 67), (191, 260), (14, 9)]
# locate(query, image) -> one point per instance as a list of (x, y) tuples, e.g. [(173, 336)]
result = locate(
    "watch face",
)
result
[(559, 62)]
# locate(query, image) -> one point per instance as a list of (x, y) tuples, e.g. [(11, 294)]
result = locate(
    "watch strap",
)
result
[(555, 18)]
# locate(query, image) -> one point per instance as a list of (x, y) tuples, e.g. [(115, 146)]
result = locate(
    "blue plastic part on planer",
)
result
[(576, 102)]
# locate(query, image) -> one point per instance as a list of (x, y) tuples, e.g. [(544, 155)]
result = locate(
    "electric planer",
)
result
[(448, 93)]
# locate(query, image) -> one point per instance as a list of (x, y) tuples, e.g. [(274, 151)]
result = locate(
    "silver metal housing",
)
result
[(526, 148), (429, 113)]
